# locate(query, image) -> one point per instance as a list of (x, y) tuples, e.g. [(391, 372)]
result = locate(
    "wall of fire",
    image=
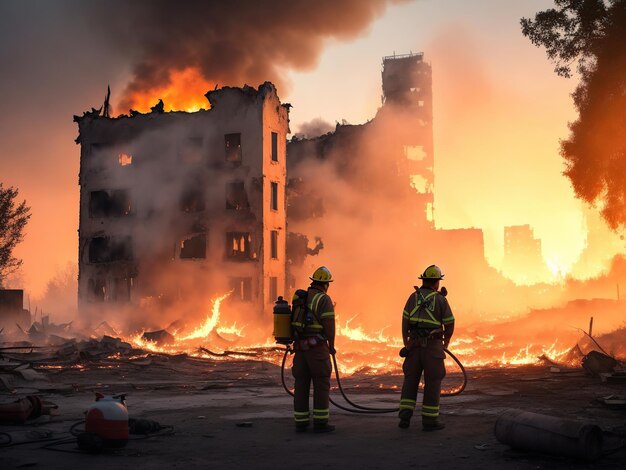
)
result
[(177, 206)]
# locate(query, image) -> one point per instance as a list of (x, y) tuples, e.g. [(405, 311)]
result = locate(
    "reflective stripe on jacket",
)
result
[(427, 308), (321, 307)]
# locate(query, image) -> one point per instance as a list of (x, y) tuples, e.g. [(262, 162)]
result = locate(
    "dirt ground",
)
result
[(235, 414)]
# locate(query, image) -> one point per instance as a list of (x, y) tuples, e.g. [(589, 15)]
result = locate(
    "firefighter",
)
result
[(312, 356), (427, 326)]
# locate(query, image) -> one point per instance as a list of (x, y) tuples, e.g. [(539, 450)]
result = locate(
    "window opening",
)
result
[(236, 196), (274, 244), (242, 288), (238, 246), (274, 146), (193, 247), (273, 289), (107, 249), (274, 196), (233, 147)]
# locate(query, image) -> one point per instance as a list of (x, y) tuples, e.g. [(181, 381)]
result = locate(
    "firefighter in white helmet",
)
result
[(427, 327), (312, 355)]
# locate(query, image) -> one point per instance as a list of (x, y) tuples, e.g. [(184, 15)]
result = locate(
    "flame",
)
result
[(211, 321), (184, 91), (358, 334), (360, 351)]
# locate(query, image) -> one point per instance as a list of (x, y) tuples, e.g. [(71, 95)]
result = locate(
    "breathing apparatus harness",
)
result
[(281, 310)]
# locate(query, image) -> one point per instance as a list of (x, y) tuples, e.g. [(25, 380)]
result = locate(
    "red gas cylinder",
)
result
[(108, 419)]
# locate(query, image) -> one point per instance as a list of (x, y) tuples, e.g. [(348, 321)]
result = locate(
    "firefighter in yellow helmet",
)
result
[(312, 356), (427, 326)]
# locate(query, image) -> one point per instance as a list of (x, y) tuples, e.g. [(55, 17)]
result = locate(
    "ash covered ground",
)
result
[(232, 412)]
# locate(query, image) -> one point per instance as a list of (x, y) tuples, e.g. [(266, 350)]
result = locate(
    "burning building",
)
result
[(368, 191), (176, 207), (405, 156)]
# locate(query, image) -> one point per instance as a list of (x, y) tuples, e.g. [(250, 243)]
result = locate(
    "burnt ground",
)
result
[(208, 402)]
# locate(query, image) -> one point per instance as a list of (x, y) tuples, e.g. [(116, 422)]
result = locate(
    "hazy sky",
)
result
[(499, 112)]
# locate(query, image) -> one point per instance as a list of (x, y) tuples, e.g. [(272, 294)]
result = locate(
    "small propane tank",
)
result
[(108, 419), (282, 322)]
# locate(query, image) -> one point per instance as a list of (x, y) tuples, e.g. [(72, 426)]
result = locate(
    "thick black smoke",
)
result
[(231, 42)]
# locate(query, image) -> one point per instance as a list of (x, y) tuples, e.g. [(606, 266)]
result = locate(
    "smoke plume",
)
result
[(230, 43)]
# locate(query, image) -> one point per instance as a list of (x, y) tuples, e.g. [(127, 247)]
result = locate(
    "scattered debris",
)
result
[(613, 377), (597, 363), (614, 402)]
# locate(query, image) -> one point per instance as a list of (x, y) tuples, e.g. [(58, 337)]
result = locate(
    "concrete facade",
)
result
[(176, 206)]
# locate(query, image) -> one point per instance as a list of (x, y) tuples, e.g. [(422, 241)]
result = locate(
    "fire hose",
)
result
[(365, 409)]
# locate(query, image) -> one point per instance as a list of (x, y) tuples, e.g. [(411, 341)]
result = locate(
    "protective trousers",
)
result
[(312, 364), (430, 360)]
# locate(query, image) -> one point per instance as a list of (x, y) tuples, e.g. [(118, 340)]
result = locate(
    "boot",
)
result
[(302, 427), (405, 418), (323, 427), (432, 424)]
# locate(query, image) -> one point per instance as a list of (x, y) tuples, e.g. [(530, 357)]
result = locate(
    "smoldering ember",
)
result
[(196, 336)]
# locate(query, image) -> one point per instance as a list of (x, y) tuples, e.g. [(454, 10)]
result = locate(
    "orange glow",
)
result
[(211, 321), (184, 92), (360, 350)]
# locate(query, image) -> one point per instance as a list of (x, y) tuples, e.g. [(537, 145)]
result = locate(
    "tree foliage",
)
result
[(13, 219), (592, 34)]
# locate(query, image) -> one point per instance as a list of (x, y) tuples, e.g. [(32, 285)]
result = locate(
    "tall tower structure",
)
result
[(407, 94)]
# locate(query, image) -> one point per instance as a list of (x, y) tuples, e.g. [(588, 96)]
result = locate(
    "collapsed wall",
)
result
[(177, 208)]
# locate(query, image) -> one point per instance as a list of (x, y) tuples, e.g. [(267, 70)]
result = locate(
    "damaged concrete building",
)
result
[(175, 206), (407, 112), (388, 163)]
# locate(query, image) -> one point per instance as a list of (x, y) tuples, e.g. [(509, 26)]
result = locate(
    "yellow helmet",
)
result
[(432, 272), (322, 274)]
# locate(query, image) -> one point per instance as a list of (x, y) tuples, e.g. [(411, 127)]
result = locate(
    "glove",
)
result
[(443, 291), (333, 351)]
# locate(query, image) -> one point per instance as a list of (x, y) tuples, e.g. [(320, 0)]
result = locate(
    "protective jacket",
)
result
[(320, 307), (311, 362), (425, 312)]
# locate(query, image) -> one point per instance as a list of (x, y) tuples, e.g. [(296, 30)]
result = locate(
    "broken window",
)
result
[(274, 244), (242, 288), (233, 147), (190, 150), (236, 196), (114, 203), (125, 159), (110, 249), (273, 289), (238, 246), (193, 247), (274, 196), (192, 200), (121, 289), (274, 146), (97, 289)]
